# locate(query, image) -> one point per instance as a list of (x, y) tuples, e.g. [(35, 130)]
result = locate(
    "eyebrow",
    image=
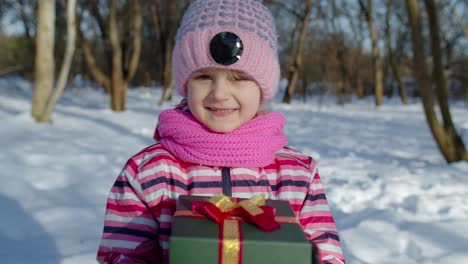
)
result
[(207, 70)]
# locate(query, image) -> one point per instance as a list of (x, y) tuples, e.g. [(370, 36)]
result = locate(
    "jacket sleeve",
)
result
[(130, 234), (318, 223)]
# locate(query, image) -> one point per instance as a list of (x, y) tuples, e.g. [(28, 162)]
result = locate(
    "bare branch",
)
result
[(283, 6)]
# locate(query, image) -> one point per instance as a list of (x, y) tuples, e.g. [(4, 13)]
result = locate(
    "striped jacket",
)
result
[(142, 201)]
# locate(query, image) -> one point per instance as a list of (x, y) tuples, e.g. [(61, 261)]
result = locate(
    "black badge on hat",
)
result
[(226, 48)]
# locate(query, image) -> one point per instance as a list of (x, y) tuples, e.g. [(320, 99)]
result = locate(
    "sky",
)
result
[(394, 198)]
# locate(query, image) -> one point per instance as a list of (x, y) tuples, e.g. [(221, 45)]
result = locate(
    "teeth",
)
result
[(221, 110)]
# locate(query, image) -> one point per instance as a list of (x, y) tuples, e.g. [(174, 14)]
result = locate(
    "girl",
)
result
[(218, 140)]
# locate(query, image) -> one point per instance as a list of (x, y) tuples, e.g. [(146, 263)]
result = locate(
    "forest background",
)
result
[(345, 48)]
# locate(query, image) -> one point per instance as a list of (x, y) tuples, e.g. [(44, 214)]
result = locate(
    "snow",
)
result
[(393, 196)]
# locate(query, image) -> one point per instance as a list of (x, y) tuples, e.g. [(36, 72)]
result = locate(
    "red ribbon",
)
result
[(264, 220)]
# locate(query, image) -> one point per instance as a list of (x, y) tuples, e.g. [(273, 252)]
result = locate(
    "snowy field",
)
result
[(393, 196)]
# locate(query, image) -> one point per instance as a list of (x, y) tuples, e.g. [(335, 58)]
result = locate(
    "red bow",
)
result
[(220, 208)]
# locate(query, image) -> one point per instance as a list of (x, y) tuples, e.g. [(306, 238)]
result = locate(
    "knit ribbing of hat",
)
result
[(254, 144), (248, 15)]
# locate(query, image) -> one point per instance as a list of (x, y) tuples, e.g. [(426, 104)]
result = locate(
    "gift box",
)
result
[(197, 237)]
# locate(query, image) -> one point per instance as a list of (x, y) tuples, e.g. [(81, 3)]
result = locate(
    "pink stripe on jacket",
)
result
[(141, 203)]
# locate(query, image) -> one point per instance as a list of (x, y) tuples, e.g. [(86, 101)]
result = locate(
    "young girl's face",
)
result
[(222, 100)]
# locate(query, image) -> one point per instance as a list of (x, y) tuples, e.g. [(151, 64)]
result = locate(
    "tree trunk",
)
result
[(93, 7), (167, 42), (167, 74), (344, 83), (447, 140), (464, 79), (297, 59), (396, 73), (44, 61), (117, 78), (121, 73), (155, 19), (25, 18), (391, 55), (136, 44), (98, 75), (376, 61), (465, 88), (455, 146), (291, 50), (69, 51)]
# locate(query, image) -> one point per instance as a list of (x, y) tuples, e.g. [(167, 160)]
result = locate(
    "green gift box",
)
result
[(197, 239)]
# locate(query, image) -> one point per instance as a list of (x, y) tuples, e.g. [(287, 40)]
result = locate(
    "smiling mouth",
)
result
[(221, 111)]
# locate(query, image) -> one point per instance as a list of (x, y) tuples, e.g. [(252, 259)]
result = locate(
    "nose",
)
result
[(220, 89)]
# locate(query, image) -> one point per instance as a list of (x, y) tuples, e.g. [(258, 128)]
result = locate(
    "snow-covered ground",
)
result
[(393, 196)]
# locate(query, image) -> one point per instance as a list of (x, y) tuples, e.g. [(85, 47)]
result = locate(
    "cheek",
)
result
[(192, 101), (256, 98), (252, 103), (192, 95)]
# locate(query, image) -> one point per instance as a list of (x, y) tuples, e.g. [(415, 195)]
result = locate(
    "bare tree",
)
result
[(368, 10), (338, 45), (98, 74), (166, 16), (353, 67), (391, 55), (122, 70), (460, 21), (296, 64), (65, 69), (449, 142), (44, 68), (167, 33)]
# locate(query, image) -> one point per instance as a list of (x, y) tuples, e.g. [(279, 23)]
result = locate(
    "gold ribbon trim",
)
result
[(231, 242)]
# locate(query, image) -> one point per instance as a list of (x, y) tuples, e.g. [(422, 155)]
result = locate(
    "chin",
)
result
[(222, 130)]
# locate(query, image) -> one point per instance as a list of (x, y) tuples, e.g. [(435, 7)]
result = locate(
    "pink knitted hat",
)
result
[(249, 20)]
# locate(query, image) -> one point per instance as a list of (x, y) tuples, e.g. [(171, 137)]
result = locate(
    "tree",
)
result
[(391, 55), (339, 49), (45, 96), (459, 20), (44, 67), (165, 27), (352, 70), (368, 10), (65, 69), (449, 142), (122, 67), (296, 64)]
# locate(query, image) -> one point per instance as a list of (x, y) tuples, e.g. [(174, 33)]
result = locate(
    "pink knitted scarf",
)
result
[(254, 144)]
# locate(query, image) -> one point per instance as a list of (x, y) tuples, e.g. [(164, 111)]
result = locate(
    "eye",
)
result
[(240, 77), (202, 77)]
